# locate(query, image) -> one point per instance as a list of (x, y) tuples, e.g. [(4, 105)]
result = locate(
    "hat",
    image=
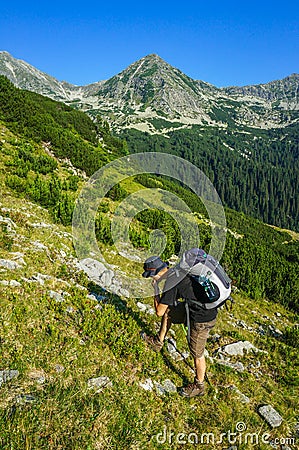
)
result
[(152, 266)]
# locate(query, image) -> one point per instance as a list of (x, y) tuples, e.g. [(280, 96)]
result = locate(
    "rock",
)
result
[(58, 297), (167, 387), (14, 283), (22, 399), (40, 225), (242, 397), (96, 297), (238, 366), (124, 293), (261, 330), (148, 385), (59, 368), (145, 308), (237, 348), (93, 268), (11, 283), (9, 264), (38, 278), (214, 337), (39, 246), (99, 383), (171, 348), (10, 225), (271, 416), (275, 332), (106, 278), (141, 306), (7, 375)]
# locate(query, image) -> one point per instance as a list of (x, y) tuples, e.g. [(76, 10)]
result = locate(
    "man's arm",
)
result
[(159, 307)]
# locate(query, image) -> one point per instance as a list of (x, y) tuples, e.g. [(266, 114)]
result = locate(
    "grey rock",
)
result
[(93, 268), (14, 283), (238, 348), (271, 416), (22, 399), (171, 348), (39, 245), (124, 293), (11, 283), (106, 278), (148, 385), (261, 330), (99, 383), (238, 366), (40, 225), (58, 297), (169, 386), (10, 225), (242, 324), (9, 264), (275, 332), (242, 397), (7, 375), (59, 368), (145, 308)]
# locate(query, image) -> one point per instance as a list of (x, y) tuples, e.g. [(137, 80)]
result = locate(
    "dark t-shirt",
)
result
[(184, 287)]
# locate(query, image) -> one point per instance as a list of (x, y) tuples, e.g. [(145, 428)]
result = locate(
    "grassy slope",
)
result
[(37, 334)]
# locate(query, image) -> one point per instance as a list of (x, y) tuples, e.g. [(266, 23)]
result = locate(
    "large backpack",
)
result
[(207, 271)]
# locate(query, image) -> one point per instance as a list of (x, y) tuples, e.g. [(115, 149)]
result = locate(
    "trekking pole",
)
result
[(189, 365)]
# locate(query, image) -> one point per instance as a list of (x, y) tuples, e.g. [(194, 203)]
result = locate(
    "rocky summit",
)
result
[(150, 95)]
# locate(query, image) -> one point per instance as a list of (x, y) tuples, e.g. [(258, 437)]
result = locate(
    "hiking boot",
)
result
[(154, 342), (193, 389)]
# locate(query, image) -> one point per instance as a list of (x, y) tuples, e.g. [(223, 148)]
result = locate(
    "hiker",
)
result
[(179, 286)]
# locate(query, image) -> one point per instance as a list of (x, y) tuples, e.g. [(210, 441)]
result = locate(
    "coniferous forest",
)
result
[(256, 173)]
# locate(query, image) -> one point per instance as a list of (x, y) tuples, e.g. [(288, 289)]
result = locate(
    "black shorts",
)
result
[(177, 313)]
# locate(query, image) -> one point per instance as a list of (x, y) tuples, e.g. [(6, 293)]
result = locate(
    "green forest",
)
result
[(255, 172)]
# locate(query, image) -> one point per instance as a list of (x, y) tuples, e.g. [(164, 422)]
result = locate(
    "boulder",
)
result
[(238, 348), (271, 416)]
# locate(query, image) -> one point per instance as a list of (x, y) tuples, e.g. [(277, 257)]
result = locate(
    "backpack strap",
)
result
[(188, 320)]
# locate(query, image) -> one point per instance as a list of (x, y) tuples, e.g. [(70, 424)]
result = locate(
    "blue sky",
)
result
[(222, 42)]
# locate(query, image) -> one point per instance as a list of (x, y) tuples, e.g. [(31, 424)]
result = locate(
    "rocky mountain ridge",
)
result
[(151, 95)]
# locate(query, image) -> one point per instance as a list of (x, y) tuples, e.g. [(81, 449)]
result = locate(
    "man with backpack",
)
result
[(198, 310)]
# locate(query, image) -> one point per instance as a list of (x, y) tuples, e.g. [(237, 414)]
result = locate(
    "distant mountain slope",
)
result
[(69, 133), (151, 89)]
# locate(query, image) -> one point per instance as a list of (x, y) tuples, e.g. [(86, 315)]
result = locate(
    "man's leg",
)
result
[(156, 342), (198, 337), (200, 368), (164, 327)]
